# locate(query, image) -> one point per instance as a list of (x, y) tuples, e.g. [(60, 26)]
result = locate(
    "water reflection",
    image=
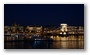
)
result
[(59, 42)]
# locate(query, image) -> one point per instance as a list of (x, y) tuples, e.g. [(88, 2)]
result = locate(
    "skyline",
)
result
[(44, 14)]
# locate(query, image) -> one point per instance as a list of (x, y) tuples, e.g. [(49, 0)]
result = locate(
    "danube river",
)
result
[(59, 42)]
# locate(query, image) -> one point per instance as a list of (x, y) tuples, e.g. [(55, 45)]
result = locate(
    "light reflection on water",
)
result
[(70, 42)]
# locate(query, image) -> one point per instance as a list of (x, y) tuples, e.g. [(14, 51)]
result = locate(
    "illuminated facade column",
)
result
[(63, 28)]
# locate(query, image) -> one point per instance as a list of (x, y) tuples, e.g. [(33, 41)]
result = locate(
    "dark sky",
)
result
[(44, 14)]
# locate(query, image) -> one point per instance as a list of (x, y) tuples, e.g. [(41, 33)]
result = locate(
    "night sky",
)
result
[(44, 14)]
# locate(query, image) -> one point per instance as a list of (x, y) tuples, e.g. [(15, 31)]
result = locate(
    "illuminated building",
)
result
[(6, 29), (63, 29), (49, 30), (81, 30), (52, 31), (34, 29), (13, 29), (72, 29), (17, 28), (66, 29)]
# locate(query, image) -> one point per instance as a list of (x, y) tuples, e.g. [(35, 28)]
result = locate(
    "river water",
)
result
[(70, 42)]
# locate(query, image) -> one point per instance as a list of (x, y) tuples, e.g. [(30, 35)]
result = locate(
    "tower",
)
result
[(63, 27)]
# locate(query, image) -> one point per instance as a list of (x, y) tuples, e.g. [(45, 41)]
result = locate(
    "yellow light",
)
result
[(52, 37), (64, 33), (63, 24), (57, 36), (60, 32)]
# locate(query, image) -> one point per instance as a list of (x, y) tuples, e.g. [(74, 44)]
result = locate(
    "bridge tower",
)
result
[(63, 28)]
